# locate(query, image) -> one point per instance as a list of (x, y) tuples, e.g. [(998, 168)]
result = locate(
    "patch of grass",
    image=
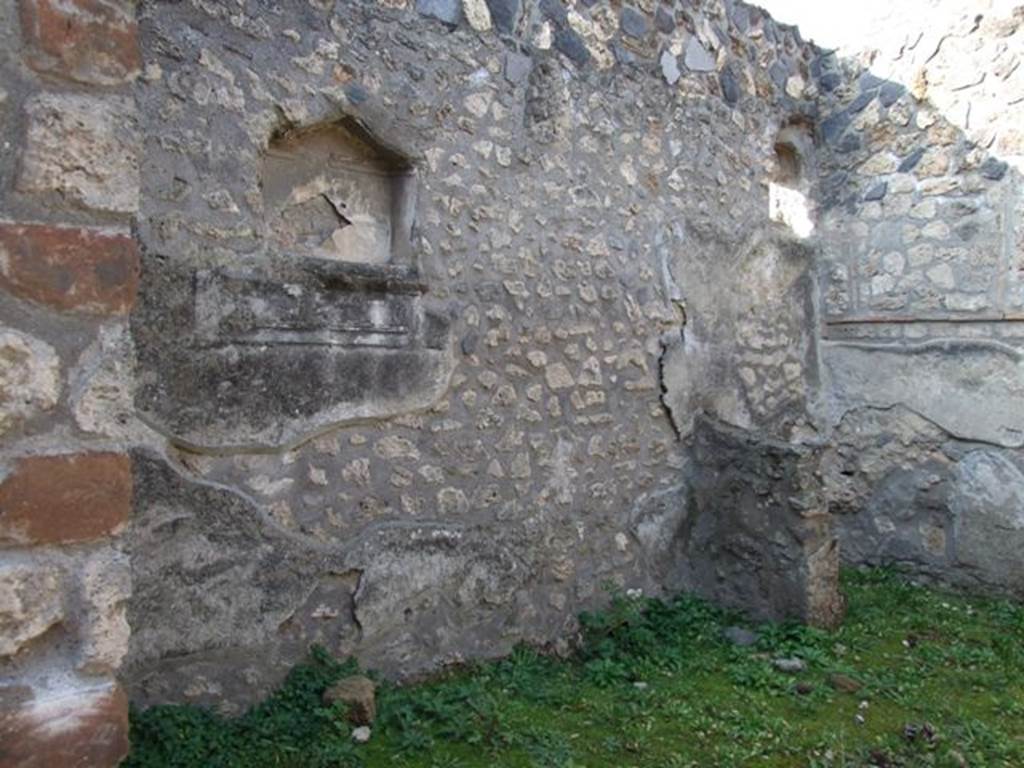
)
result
[(655, 685), (292, 727)]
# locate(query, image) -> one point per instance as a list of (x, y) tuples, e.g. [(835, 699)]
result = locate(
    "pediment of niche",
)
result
[(337, 325)]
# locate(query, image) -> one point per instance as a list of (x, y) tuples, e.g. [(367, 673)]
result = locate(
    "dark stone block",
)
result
[(740, 17), (357, 93), (779, 73), (849, 143), (730, 88), (829, 81), (861, 102), (967, 231), (633, 23), (504, 14), (836, 180), (869, 82), (993, 169), (571, 45), (664, 20), (910, 161), (447, 11), (554, 11), (877, 192), (832, 188), (436, 328), (833, 127), (623, 55), (890, 93)]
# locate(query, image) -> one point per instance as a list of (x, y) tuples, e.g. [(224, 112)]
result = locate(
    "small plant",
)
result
[(291, 728)]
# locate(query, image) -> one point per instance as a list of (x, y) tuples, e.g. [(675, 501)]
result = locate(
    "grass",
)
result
[(654, 685)]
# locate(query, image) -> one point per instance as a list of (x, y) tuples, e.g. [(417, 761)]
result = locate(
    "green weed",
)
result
[(654, 684)]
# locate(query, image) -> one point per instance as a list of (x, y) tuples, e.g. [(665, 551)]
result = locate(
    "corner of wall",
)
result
[(69, 191)]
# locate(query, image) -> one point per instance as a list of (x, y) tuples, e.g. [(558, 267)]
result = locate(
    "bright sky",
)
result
[(859, 24), (830, 23)]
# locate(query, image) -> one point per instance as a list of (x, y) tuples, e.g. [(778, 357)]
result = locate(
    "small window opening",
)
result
[(788, 165), (787, 191)]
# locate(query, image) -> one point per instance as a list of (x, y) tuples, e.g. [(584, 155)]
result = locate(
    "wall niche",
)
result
[(789, 188), (332, 324), (333, 192)]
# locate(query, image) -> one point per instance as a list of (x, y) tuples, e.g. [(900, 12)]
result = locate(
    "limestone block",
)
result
[(106, 586), (477, 14), (101, 385), (30, 603), (84, 148), (29, 378), (558, 376)]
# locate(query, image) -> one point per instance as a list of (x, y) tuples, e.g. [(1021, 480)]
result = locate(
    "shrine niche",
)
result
[(333, 192), (332, 323)]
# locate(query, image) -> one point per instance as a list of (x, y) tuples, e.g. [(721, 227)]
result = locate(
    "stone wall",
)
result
[(467, 468), (69, 266), (759, 536), (409, 327), (921, 253)]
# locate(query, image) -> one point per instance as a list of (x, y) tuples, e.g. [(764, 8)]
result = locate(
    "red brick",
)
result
[(68, 268), (88, 41), (81, 728), (65, 498)]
